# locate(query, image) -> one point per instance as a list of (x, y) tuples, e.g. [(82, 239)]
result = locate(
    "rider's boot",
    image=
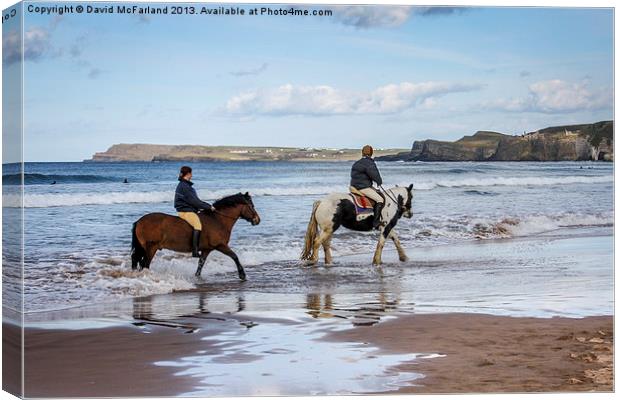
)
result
[(195, 241), (377, 210)]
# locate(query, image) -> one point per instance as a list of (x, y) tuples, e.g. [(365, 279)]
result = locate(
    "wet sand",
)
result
[(116, 361), (482, 353), (492, 354)]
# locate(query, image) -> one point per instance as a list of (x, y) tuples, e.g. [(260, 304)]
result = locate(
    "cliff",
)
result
[(197, 153), (560, 143)]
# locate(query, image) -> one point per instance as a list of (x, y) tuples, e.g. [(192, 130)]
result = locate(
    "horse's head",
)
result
[(407, 203), (248, 212), (243, 204), (404, 200)]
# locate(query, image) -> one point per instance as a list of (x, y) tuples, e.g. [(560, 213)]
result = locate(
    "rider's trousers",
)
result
[(192, 219)]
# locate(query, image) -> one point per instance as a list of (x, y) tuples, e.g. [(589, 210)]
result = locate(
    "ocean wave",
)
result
[(512, 181), (47, 179), (466, 228), (33, 200)]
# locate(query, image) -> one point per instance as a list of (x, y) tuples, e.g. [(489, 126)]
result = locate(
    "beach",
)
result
[(327, 337), (508, 286), (479, 354)]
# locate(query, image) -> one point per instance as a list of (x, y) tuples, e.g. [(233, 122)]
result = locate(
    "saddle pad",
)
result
[(361, 202), (363, 207)]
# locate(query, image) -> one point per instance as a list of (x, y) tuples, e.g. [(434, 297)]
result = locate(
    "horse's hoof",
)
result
[(197, 274), (403, 259), (243, 279)]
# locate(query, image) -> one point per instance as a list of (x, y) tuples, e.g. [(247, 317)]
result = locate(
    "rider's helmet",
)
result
[(367, 151)]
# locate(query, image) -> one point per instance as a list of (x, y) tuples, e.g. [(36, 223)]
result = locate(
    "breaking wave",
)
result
[(467, 228), (74, 199), (46, 179)]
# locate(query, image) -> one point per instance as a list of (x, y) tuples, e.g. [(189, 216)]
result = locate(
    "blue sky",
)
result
[(380, 75)]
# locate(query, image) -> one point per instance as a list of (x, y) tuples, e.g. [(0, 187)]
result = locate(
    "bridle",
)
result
[(245, 205), (390, 194)]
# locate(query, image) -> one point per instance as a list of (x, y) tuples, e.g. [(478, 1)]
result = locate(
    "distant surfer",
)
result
[(53, 183), (125, 181), (187, 204)]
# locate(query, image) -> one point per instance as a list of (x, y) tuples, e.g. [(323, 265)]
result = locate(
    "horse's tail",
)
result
[(311, 232), (137, 251)]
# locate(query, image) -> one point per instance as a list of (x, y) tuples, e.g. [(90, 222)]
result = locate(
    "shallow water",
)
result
[(270, 360), (264, 336), (564, 275), (78, 230)]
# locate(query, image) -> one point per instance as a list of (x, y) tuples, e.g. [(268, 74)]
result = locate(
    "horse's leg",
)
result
[(201, 261), (327, 249), (318, 242), (379, 250), (401, 252), (227, 250), (151, 249)]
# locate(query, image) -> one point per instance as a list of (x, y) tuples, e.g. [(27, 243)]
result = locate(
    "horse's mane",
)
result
[(230, 201)]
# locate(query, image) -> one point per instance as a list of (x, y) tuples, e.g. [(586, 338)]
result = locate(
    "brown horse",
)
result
[(158, 231)]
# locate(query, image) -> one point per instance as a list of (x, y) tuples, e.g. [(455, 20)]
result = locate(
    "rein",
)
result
[(388, 194), (228, 216), (224, 215)]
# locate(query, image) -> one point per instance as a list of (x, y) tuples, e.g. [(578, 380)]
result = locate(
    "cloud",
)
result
[(144, 19), (325, 100), (11, 48), (388, 16), (77, 48), (524, 74), (94, 73), (556, 96), (372, 16), (252, 71), (436, 11), (36, 43)]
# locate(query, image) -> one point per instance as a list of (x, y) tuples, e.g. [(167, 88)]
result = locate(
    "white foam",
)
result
[(33, 200)]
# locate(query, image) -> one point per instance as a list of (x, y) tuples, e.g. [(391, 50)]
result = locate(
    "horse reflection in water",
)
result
[(369, 313)]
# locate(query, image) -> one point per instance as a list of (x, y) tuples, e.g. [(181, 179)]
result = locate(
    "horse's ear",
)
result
[(410, 187), (247, 194)]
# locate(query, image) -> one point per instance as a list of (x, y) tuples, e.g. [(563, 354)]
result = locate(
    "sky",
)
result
[(381, 75)]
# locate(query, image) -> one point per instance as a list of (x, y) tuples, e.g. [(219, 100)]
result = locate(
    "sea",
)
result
[(474, 241)]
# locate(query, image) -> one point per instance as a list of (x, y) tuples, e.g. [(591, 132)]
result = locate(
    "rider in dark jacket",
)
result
[(363, 173), (187, 204), (186, 199)]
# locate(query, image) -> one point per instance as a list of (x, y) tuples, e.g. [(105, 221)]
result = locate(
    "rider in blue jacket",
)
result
[(187, 204)]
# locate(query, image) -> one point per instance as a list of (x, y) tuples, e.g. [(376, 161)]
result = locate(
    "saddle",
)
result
[(363, 205)]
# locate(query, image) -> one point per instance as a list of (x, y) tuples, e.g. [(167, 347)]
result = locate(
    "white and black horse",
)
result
[(337, 209)]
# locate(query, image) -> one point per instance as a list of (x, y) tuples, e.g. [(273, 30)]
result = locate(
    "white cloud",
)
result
[(36, 43), (250, 71), (387, 16), (373, 16), (556, 96), (325, 100)]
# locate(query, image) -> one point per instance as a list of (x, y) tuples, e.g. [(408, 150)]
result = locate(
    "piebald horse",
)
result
[(158, 231), (337, 209)]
